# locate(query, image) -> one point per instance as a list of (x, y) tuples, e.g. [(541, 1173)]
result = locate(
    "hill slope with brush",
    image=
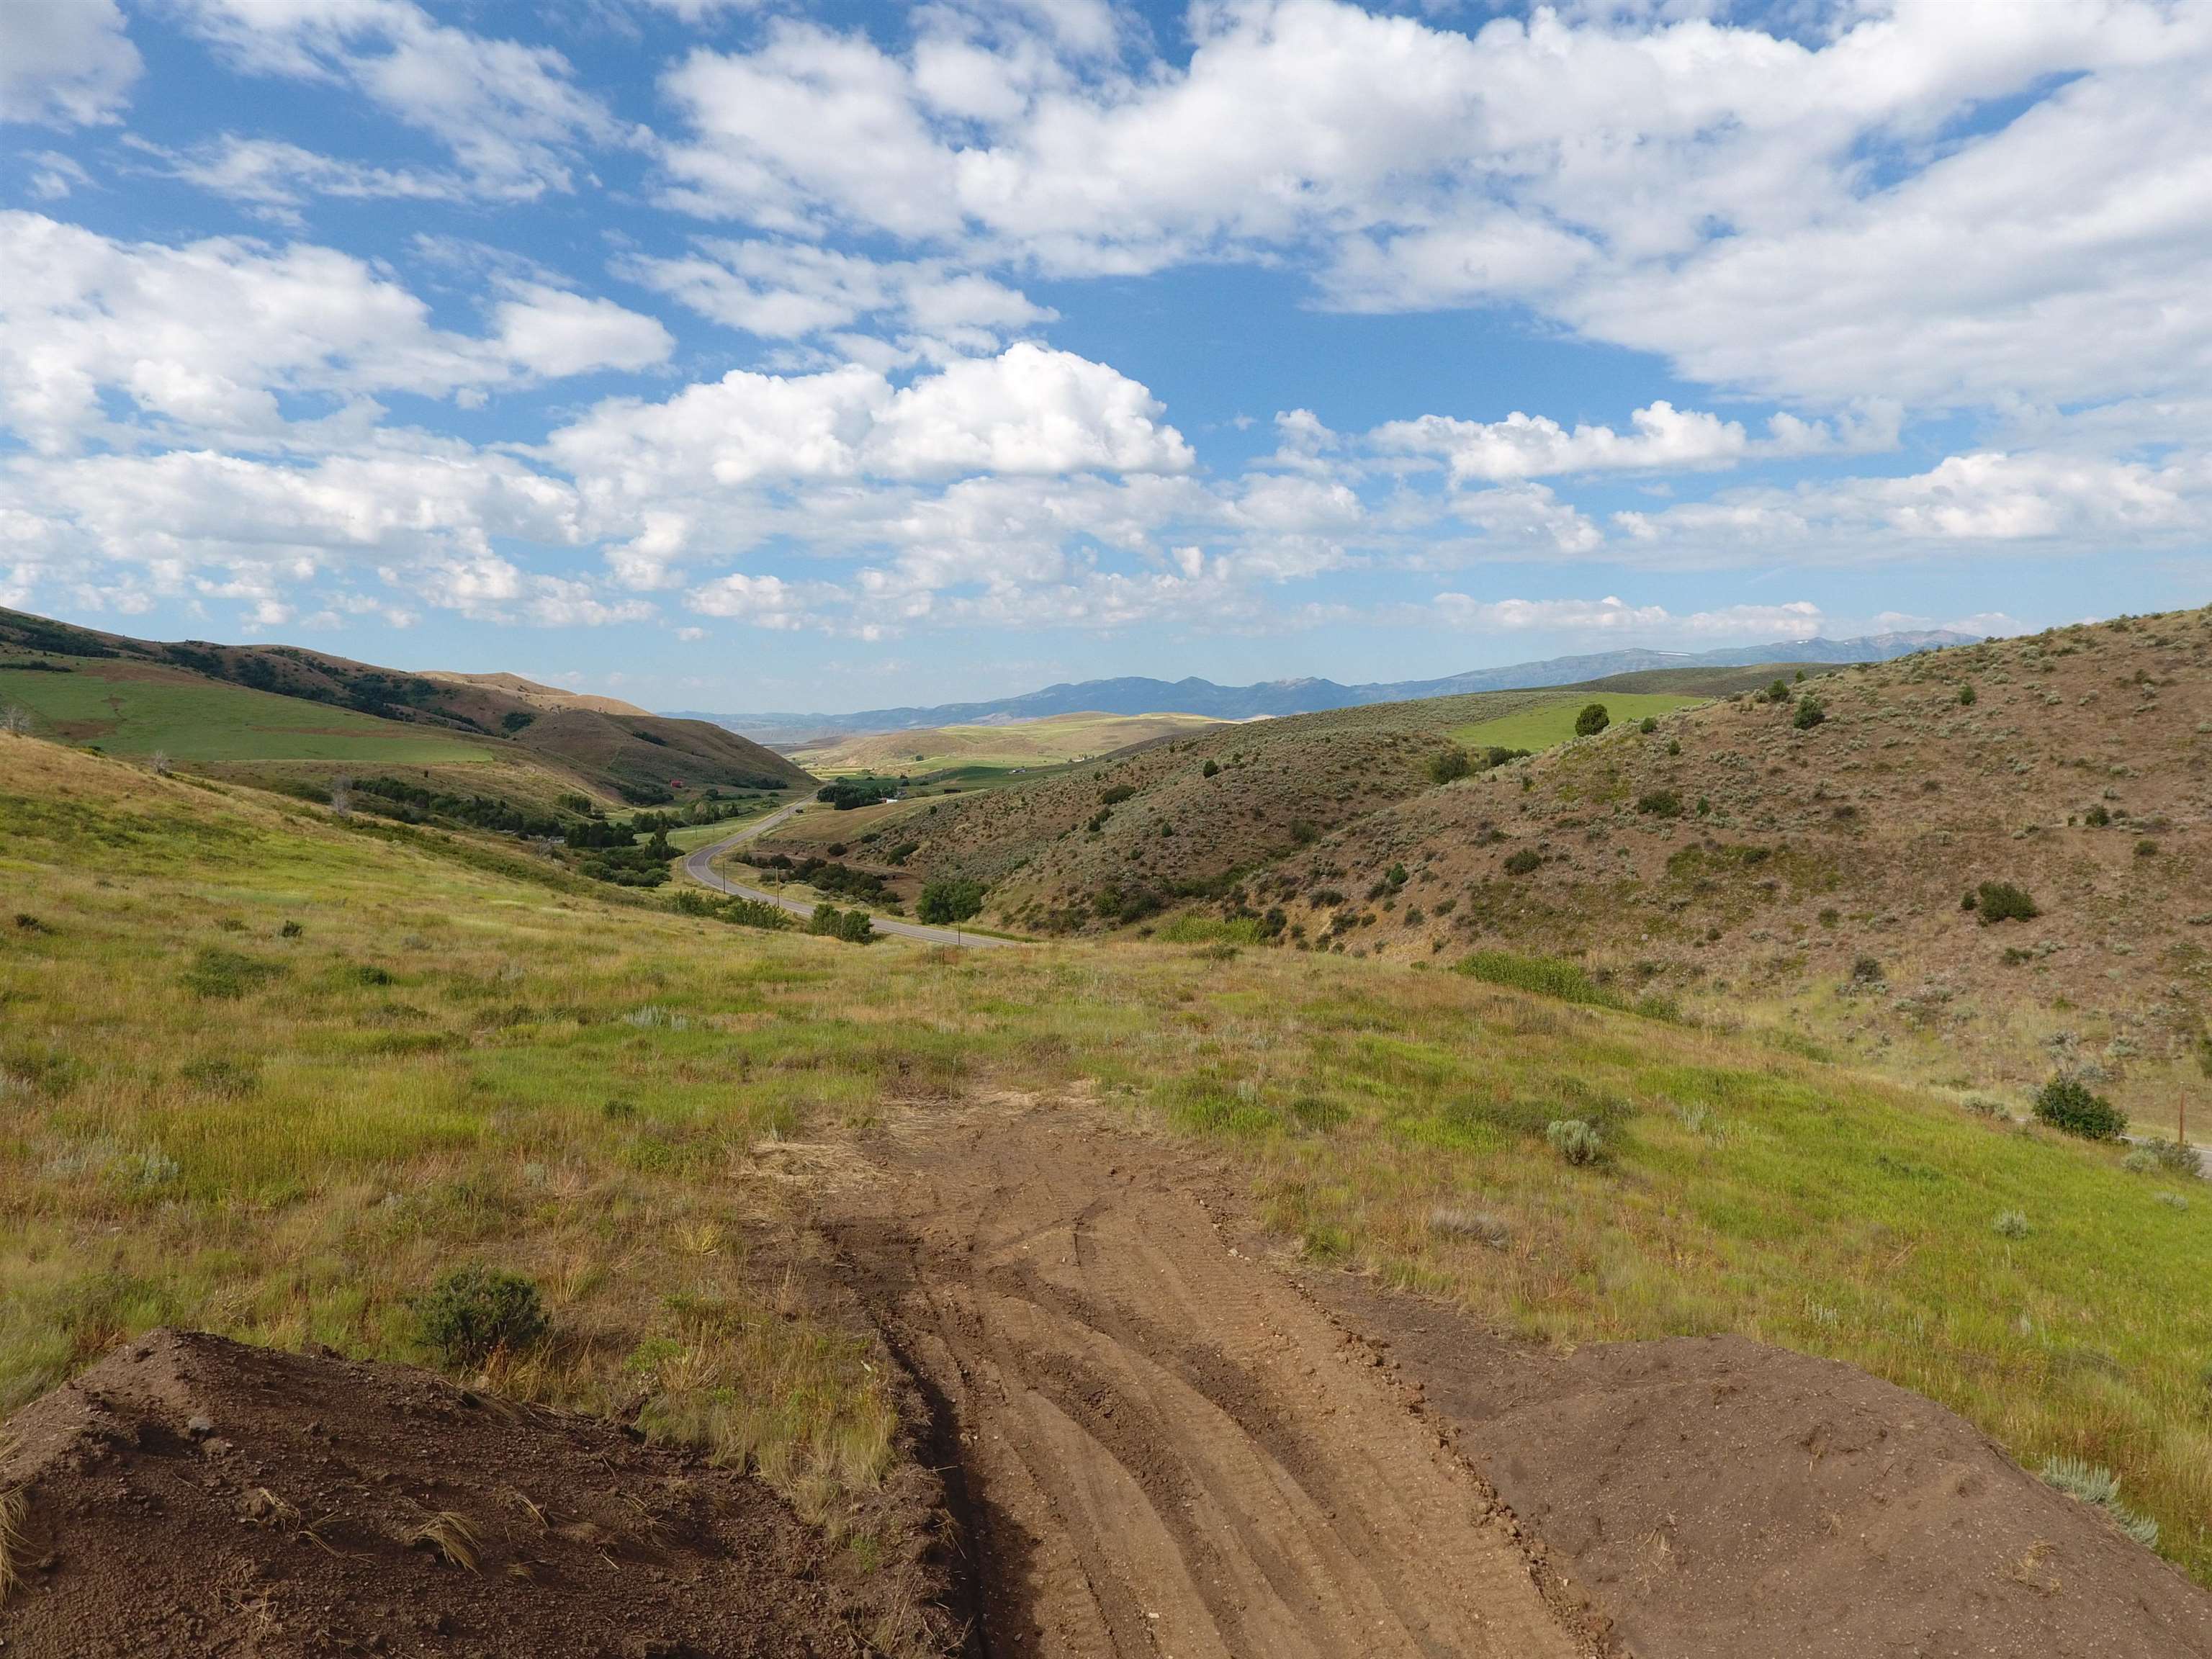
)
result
[(1187, 817), (282, 715), (1981, 864)]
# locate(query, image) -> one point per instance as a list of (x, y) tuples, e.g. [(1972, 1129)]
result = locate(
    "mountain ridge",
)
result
[(1306, 695)]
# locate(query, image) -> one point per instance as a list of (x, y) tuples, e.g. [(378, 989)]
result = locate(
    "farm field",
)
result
[(129, 708), (1052, 741), (1551, 723)]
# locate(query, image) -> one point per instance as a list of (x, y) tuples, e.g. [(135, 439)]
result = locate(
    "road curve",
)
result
[(699, 866)]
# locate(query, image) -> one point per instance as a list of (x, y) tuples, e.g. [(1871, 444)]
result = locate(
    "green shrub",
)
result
[(1550, 976), (475, 1312), (755, 912), (2145, 849), (1778, 692), (2065, 1103), (2097, 816), (1809, 712), (1965, 696), (1660, 803), (1576, 1141), (1116, 795), (1521, 863), (2158, 1153), (943, 903), (851, 926), (228, 974), (1592, 720), (1648, 725), (1451, 763), (2000, 901), (1212, 768)]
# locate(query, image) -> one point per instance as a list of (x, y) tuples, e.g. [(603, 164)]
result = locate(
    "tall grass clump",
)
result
[(2093, 1484), (1550, 976)]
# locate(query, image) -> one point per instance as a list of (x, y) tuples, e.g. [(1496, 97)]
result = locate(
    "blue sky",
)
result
[(737, 354)]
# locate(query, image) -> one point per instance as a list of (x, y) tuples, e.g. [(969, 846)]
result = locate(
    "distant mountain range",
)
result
[(1305, 696)]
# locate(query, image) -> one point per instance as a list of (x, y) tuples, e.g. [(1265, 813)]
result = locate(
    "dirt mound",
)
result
[(1163, 1448), (191, 1495), (1718, 1497)]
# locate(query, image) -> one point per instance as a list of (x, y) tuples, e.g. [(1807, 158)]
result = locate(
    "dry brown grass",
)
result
[(449, 1536), (15, 1511)]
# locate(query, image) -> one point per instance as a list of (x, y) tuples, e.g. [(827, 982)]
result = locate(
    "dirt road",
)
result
[(1165, 1449), (700, 867)]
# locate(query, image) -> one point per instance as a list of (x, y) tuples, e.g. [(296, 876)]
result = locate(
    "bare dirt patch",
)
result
[(192, 1496), (1718, 1497), (1161, 1446)]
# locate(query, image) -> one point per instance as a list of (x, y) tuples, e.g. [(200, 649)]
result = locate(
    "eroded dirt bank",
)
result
[(191, 1496), (1167, 1449), (1721, 1498)]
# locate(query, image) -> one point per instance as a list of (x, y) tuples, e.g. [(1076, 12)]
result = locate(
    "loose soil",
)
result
[(1162, 1446), (1154, 1440), (191, 1495), (1718, 1497)]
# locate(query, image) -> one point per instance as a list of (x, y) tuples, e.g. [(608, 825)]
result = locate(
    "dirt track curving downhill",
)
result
[(1167, 1449)]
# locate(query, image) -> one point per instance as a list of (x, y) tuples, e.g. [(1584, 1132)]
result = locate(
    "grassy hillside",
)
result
[(270, 1073), (537, 695), (1023, 743), (1548, 724), (279, 714), (1148, 828), (136, 709), (1814, 875)]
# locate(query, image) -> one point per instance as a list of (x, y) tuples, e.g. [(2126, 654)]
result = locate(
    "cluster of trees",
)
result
[(643, 864), (395, 798), (828, 875), (945, 902), (845, 793), (851, 926), (744, 911), (1457, 762)]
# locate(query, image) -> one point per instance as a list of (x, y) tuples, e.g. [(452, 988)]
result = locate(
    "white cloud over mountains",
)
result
[(1989, 223)]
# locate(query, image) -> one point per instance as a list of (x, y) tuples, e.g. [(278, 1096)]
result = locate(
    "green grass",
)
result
[(693, 836), (208, 1122), (135, 711), (1024, 745), (1553, 723)]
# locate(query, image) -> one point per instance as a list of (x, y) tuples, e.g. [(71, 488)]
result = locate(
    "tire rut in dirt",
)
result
[(1165, 1447)]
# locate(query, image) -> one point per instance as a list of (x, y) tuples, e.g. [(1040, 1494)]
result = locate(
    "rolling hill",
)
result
[(537, 695), (1825, 877), (282, 715), (1093, 847), (1006, 744), (1275, 698)]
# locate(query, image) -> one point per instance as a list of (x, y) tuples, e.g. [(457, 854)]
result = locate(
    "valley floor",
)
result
[(1094, 1252)]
